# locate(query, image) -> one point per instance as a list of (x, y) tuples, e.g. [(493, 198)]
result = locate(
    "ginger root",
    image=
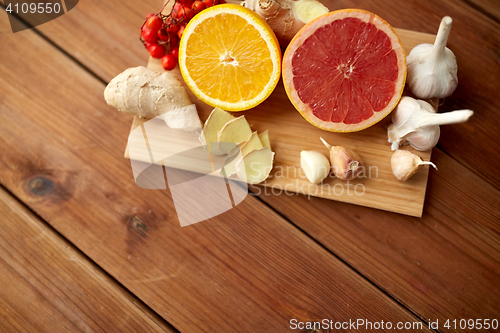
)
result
[(287, 17), (146, 93)]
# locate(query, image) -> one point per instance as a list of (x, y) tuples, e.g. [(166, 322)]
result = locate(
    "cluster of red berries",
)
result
[(161, 33)]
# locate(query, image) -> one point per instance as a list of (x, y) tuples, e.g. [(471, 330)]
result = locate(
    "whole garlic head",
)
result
[(432, 69), (405, 164), (417, 123)]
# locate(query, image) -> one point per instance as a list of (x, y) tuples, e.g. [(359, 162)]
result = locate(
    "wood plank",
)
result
[(490, 8), (443, 266), (104, 37), (49, 286), (245, 270)]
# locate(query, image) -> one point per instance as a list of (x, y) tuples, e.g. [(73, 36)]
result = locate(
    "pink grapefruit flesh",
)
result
[(345, 71)]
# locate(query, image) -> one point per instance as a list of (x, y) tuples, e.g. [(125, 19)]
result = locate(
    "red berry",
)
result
[(174, 39), (175, 11), (154, 23), (174, 51), (149, 36), (222, 1), (178, 6), (181, 31), (168, 62), (186, 3), (163, 34), (173, 28), (210, 3), (156, 50), (171, 25), (189, 14), (181, 13), (198, 6)]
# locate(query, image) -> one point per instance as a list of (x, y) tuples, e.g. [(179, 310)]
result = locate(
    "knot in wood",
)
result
[(40, 186), (136, 224)]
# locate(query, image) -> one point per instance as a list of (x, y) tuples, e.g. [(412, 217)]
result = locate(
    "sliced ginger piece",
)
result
[(256, 166), (250, 145), (215, 122), (264, 138), (233, 133)]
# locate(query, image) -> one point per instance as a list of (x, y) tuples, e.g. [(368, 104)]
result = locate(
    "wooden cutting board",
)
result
[(290, 134)]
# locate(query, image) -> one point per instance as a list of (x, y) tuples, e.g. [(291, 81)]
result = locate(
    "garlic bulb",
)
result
[(405, 164), (315, 165), (432, 69), (417, 123), (346, 164)]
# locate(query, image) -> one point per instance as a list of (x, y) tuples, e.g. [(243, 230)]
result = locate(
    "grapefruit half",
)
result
[(345, 71)]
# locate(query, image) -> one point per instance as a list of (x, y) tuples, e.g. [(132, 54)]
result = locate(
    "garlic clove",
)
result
[(432, 69), (405, 164), (346, 164), (315, 165)]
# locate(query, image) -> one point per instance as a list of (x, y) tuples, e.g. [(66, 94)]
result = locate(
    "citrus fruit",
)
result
[(229, 57), (345, 70)]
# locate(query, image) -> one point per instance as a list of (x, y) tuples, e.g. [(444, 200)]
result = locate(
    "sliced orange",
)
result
[(230, 57), (345, 70)]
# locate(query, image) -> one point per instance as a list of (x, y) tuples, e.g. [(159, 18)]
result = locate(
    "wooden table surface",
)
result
[(82, 248)]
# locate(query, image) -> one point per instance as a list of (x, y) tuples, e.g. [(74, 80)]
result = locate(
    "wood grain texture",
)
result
[(102, 36), (245, 270), (490, 8), (49, 286), (445, 265)]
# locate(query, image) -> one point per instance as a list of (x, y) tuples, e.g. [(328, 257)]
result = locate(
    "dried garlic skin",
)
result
[(315, 165), (346, 163), (432, 69), (405, 164)]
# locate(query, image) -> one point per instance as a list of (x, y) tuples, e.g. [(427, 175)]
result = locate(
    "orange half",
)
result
[(229, 57)]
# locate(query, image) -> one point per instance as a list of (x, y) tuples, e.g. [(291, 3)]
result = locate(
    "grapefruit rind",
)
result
[(267, 35), (306, 32)]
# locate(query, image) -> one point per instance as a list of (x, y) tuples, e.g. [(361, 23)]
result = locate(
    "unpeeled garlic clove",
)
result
[(315, 165), (405, 164), (346, 164), (432, 69)]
